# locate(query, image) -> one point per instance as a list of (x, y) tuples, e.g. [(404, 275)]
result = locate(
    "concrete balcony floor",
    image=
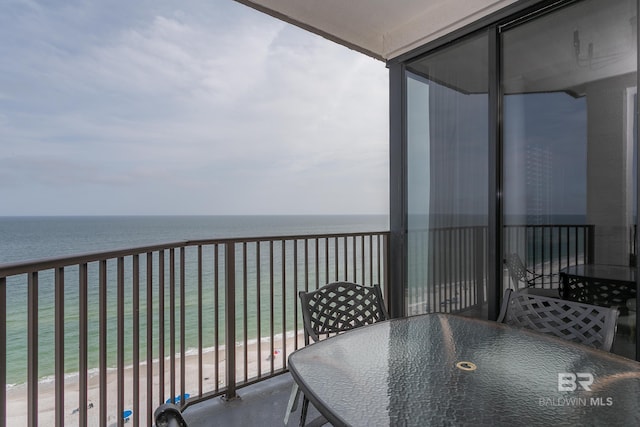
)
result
[(262, 404)]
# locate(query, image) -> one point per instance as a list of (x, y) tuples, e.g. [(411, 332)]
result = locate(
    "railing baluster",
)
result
[(183, 348), (3, 351), (345, 252), (362, 259), (59, 345), (102, 345), (371, 260), (385, 261), (296, 286), (283, 286), (136, 339), (172, 323), (271, 312), (354, 258), (306, 267), (336, 263), (258, 309), (455, 260), (326, 259), (83, 341), (216, 313), (317, 259), (161, 327), (245, 309), (32, 356), (230, 310), (120, 305), (200, 324), (379, 243), (150, 337), (567, 247), (295, 296), (590, 231)]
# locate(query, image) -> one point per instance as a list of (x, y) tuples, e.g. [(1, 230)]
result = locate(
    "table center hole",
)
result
[(466, 366)]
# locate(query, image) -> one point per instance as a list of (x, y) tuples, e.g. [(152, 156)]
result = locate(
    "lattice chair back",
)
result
[(339, 307), (587, 324), (519, 272)]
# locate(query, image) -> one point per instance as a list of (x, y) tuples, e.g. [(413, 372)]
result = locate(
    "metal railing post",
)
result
[(591, 243), (230, 318), (386, 271), (3, 351), (32, 353), (479, 263), (59, 345)]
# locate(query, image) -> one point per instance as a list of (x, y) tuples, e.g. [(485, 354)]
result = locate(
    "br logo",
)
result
[(568, 381)]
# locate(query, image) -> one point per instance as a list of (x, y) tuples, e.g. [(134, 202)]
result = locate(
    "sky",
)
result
[(184, 108)]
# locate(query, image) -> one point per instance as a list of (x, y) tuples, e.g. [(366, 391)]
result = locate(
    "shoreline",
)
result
[(17, 404)]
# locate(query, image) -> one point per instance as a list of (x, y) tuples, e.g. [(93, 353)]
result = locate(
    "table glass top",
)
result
[(600, 271), (403, 372)]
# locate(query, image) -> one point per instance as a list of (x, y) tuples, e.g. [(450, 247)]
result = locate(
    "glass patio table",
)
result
[(440, 369), (605, 285)]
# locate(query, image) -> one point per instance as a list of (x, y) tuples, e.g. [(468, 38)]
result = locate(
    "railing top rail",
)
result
[(11, 269), (282, 238), (548, 225), (23, 267)]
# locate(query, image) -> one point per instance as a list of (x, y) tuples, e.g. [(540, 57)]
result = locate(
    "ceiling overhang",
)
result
[(382, 29)]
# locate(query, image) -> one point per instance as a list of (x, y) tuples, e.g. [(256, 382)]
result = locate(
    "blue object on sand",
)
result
[(126, 414), (177, 398)]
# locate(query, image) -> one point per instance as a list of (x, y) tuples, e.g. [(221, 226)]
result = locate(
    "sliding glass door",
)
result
[(447, 166), (530, 124), (569, 149)]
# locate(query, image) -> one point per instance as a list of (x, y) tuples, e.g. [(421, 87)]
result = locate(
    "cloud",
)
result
[(208, 96)]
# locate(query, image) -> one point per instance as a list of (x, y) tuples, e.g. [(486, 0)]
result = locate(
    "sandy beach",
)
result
[(17, 396)]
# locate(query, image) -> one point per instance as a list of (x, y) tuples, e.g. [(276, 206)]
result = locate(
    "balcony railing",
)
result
[(448, 265), (89, 337), (546, 249), (447, 269)]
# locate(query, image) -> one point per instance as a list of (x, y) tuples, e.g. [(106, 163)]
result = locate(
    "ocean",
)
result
[(34, 238)]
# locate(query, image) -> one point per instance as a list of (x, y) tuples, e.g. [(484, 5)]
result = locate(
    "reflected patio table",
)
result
[(599, 284), (440, 369)]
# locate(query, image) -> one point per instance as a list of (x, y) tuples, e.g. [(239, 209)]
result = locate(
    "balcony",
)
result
[(128, 330)]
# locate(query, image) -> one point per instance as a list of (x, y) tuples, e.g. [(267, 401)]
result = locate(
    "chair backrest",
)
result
[(587, 324), (517, 270), (169, 415), (339, 307)]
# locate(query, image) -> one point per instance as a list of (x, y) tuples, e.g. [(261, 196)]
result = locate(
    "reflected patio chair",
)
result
[(333, 309), (521, 275), (586, 324)]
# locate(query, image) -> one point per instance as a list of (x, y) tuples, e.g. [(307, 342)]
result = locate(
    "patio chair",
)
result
[(333, 309), (586, 324), (521, 275), (169, 415)]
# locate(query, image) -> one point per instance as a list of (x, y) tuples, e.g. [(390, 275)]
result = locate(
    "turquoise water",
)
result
[(31, 238)]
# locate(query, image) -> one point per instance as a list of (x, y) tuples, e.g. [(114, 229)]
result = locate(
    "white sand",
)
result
[(17, 396)]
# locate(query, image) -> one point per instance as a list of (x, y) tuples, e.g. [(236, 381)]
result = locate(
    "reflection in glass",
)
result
[(569, 85), (447, 152)]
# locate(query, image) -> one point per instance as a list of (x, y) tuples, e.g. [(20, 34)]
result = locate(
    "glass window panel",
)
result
[(447, 172), (569, 85)]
